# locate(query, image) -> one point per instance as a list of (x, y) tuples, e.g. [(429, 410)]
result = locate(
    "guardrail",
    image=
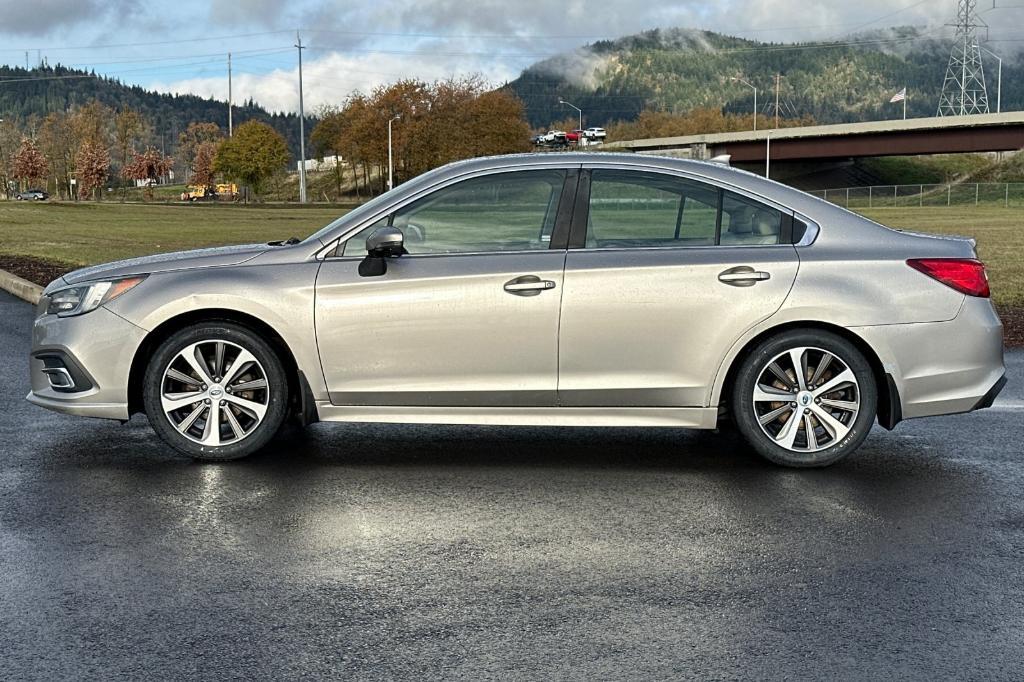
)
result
[(1005, 194)]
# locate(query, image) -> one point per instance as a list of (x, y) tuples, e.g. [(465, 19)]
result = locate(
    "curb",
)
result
[(22, 288)]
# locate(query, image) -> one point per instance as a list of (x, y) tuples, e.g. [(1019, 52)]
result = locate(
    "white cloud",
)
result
[(330, 79)]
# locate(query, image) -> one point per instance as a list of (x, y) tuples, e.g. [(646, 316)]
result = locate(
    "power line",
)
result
[(144, 44)]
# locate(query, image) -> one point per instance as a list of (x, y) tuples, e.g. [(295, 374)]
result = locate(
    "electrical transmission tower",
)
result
[(963, 91)]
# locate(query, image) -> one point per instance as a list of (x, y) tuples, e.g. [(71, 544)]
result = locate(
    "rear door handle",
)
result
[(743, 276), (528, 285)]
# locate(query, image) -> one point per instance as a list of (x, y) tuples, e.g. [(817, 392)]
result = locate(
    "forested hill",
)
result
[(679, 69), (39, 91)]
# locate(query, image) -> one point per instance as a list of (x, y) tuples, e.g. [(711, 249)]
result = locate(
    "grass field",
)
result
[(999, 232), (87, 233)]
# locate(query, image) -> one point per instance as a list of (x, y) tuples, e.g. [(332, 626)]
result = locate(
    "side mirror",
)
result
[(384, 243)]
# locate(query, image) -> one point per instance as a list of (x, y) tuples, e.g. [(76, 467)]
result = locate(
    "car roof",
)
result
[(818, 210)]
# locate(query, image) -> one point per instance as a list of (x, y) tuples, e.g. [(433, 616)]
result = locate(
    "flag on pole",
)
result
[(899, 96)]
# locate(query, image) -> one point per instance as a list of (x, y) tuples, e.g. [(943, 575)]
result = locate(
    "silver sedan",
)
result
[(570, 289)]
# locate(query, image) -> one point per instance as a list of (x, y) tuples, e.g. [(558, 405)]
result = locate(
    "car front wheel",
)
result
[(805, 398), (215, 391)]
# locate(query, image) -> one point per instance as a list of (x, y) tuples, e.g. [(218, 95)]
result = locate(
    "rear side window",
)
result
[(747, 222), (630, 209), (636, 209)]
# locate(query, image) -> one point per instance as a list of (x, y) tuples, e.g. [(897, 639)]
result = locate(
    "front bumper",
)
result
[(98, 348)]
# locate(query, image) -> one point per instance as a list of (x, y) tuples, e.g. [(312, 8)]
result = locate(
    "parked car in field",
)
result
[(572, 289), (32, 195), (574, 136), (595, 133), (538, 139), (555, 137)]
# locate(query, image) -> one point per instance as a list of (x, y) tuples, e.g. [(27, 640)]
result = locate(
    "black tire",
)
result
[(276, 397), (746, 418)]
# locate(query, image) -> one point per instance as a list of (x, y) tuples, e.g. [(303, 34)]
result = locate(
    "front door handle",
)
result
[(528, 285), (743, 276)]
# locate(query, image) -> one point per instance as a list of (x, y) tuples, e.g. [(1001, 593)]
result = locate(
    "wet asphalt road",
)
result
[(383, 552)]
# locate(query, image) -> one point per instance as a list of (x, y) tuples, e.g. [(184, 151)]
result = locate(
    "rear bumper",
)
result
[(991, 395), (943, 367)]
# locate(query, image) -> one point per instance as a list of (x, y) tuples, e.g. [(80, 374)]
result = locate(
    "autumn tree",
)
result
[(92, 163), (195, 136), (253, 155), (29, 164), (327, 138), (437, 123), (202, 164), (148, 166), (92, 123), (700, 121)]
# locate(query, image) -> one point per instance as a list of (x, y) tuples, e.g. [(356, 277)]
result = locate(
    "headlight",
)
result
[(81, 299)]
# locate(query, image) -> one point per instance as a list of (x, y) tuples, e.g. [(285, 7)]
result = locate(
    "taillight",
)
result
[(966, 275)]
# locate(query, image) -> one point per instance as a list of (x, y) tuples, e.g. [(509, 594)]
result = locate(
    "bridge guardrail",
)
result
[(1005, 194)]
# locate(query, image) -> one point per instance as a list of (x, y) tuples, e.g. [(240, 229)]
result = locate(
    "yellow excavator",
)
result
[(221, 190)]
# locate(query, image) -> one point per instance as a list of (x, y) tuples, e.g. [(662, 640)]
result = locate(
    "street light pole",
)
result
[(391, 162), (768, 155), (302, 128), (999, 80), (562, 101), (740, 80)]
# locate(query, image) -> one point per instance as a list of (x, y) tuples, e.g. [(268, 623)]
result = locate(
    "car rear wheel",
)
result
[(215, 391), (805, 398)]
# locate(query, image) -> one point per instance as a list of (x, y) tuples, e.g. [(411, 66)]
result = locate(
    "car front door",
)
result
[(469, 316), (672, 272)]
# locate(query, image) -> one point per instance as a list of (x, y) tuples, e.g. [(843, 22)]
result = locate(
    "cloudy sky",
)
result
[(356, 44)]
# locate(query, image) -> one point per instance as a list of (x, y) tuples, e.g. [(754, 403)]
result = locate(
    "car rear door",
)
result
[(671, 272), (469, 317)]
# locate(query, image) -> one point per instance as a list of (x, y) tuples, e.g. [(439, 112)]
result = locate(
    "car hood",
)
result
[(165, 262)]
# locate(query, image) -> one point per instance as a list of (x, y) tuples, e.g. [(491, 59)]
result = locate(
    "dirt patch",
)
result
[(42, 272), (37, 270), (1013, 326)]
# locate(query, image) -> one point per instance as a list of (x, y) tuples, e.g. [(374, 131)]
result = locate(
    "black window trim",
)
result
[(790, 232), (566, 209)]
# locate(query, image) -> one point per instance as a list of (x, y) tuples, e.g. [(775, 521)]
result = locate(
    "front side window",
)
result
[(501, 212), (635, 209)]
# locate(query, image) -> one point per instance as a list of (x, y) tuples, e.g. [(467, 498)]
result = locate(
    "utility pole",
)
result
[(230, 129), (964, 91), (778, 77), (391, 161), (302, 128)]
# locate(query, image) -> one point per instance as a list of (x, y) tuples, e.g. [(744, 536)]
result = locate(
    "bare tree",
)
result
[(129, 129)]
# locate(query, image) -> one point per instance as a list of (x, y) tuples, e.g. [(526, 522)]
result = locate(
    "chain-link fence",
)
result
[(992, 194)]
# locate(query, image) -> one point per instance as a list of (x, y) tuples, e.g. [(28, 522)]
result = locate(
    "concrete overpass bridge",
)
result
[(796, 151)]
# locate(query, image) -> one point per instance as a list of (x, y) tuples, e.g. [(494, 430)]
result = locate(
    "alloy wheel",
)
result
[(806, 399), (215, 392)]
